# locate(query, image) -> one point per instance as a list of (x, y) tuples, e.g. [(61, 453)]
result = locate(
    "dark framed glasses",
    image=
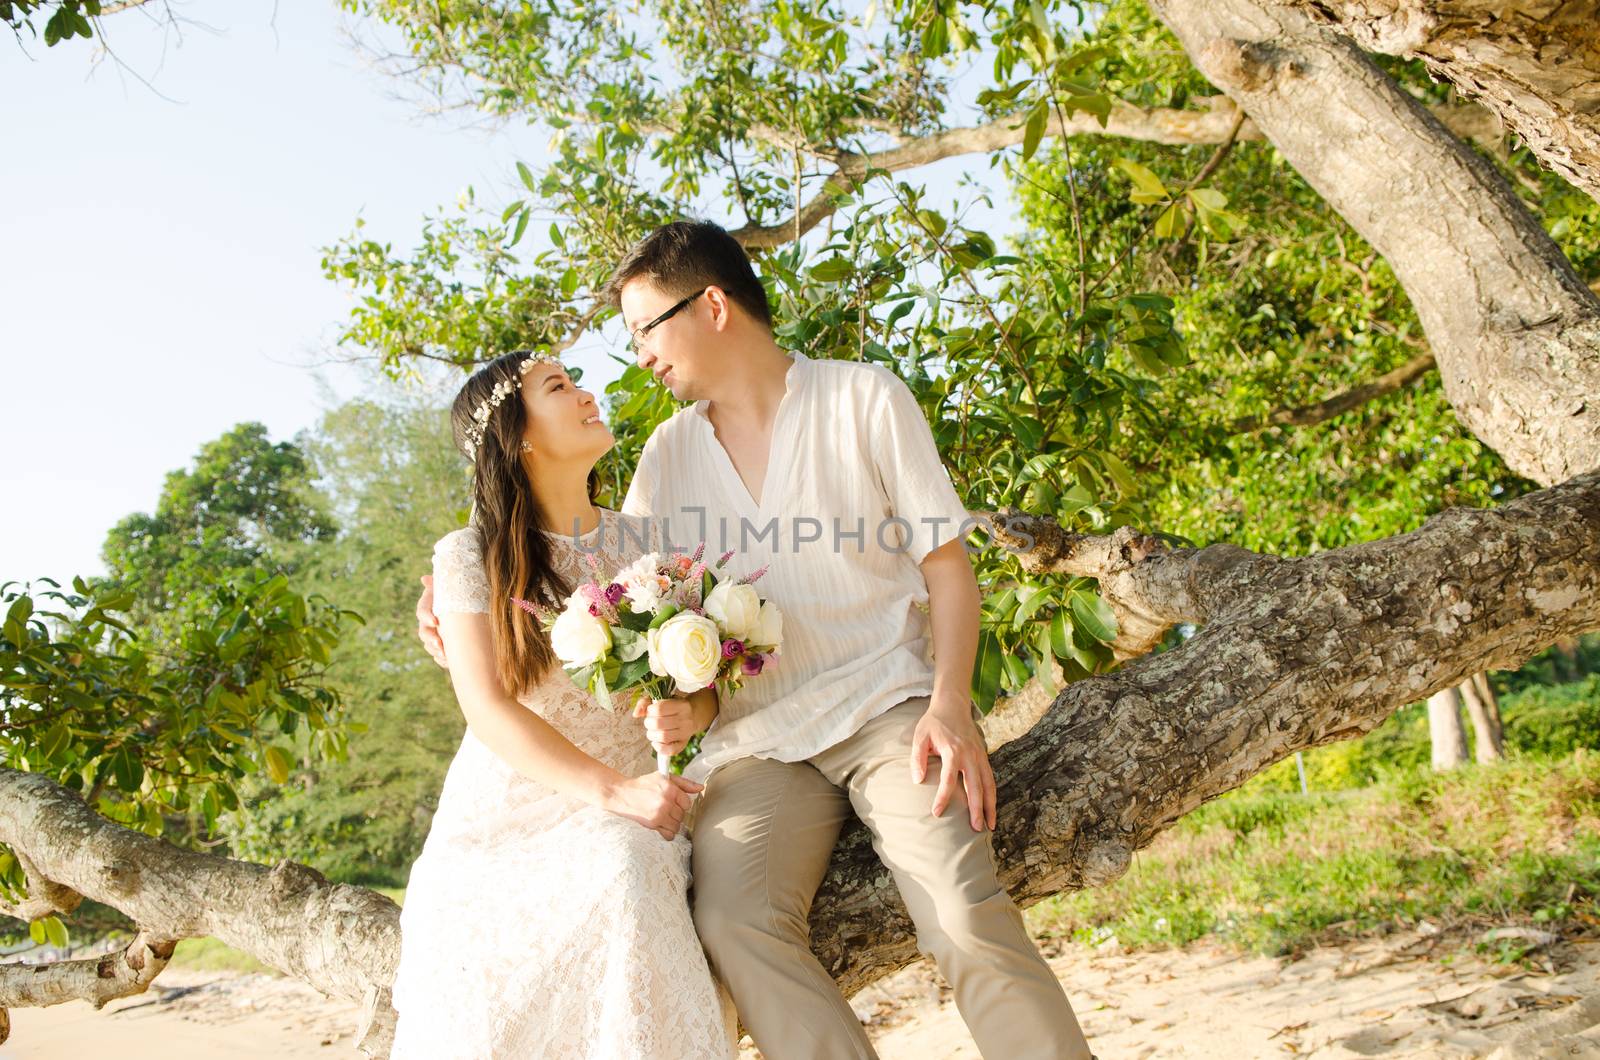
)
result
[(636, 338)]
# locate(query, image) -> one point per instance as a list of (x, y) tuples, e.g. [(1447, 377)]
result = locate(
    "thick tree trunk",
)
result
[(1535, 63), (1445, 734), (1483, 707), (1515, 333), (1290, 654)]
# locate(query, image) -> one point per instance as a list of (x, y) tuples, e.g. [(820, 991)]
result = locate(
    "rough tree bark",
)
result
[(1290, 654), (1447, 738), (1515, 333), (343, 940), (1535, 63)]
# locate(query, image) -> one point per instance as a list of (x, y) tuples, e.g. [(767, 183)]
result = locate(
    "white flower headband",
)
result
[(502, 390)]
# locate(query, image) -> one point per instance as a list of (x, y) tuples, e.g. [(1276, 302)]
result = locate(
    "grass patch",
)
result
[(1275, 871)]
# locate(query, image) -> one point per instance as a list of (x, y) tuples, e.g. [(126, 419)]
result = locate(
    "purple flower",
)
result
[(751, 664), (614, 593), (732, 648)]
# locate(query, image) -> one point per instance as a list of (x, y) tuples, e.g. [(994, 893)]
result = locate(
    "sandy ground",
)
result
[(1408, 995)]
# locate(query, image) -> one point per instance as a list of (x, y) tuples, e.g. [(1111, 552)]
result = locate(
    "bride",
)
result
[(546, 915)]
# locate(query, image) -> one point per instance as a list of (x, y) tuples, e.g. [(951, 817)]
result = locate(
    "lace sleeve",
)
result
[(459, 583)]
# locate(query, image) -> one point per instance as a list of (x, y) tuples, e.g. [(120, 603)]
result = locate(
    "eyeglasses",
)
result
[(637, 337)]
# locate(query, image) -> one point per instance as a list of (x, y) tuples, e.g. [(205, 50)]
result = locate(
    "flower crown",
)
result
[(502, 390)]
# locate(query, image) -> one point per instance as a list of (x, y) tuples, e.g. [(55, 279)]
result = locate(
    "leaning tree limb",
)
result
[(1290, 653), (1514, 331), (343, 940), (1535, 63), (1215, 122)]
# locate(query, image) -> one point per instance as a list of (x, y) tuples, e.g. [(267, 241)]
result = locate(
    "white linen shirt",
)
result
[(854, 497)]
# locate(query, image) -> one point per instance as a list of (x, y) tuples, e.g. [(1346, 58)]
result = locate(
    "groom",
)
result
[(827, 470)]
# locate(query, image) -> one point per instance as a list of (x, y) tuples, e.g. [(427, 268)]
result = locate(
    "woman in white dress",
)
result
[(547, 914)]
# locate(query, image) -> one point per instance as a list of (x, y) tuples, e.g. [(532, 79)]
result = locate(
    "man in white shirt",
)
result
[(827, 471)]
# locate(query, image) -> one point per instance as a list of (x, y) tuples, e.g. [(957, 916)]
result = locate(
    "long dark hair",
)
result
[(517, 556)]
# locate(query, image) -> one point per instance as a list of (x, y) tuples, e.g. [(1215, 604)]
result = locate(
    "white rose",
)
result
[(579, 638), (768, 631), (686, 648), (735, 608)]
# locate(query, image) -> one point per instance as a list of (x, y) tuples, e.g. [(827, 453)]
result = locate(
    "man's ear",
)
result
[(721, 307)]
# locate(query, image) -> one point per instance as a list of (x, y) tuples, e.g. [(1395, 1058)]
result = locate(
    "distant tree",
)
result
[(396, 484), (243, 505)]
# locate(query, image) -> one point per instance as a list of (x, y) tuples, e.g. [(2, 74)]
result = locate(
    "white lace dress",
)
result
[(536, 925)]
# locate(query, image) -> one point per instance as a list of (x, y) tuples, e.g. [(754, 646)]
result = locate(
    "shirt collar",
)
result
[(793, 379)]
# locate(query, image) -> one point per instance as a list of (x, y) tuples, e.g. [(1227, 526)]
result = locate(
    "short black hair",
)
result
[(685, 256)]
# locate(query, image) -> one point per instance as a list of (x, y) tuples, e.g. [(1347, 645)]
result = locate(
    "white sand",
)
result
[(1403, 996)]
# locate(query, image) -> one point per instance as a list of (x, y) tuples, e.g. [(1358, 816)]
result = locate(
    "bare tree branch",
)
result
[(1220, 123), (97, 980), (1328, 408)]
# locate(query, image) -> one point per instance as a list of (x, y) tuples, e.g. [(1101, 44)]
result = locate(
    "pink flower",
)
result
[(732, 648), (751, 664)]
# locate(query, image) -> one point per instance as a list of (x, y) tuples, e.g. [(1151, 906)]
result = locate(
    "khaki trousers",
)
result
[(763, 834)]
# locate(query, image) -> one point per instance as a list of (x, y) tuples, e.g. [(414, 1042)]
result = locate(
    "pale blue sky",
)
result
[(159, 262)]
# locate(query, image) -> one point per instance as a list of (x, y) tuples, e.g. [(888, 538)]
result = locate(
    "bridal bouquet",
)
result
[(665, 625)]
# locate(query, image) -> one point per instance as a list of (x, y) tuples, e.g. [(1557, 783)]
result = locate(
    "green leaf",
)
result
[(1208, 198), (527, 177), (1150, 188), (1119, 473), (832, 270), (628, 643), (1033, 598), (1060, 634), (1043, 643), (36, 932), (278, 764), (1034, 132), (1167, 223), (522, 226), (1094, 615), (986, 671), (55, 931), (1015, 671)]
